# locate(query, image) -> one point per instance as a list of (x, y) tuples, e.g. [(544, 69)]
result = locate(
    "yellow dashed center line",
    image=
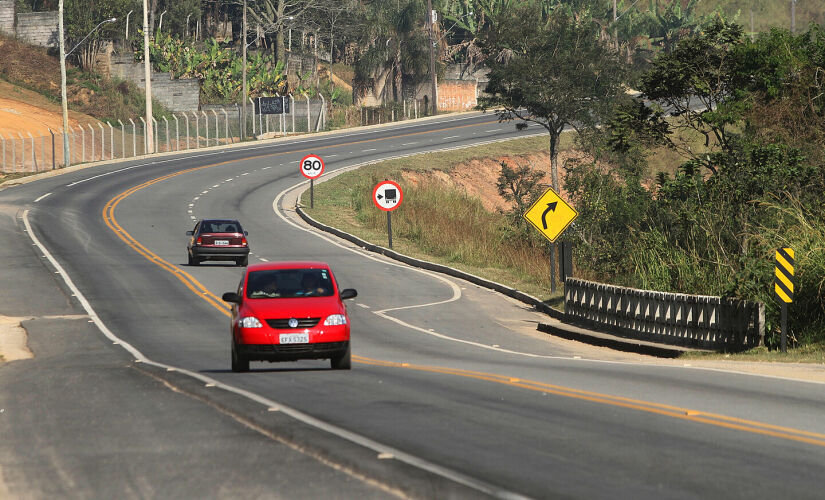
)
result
[(660, 409)]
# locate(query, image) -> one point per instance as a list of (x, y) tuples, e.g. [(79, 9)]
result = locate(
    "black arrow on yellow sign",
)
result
[(551, 207)]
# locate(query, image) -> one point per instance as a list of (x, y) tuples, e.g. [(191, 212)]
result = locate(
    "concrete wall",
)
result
[(7, 16), (38, 28), (176, 95)]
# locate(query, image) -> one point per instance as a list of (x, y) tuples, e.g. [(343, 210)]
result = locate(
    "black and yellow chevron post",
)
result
[(783, 286)]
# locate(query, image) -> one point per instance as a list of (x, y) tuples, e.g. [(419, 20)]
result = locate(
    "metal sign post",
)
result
[(311, 167), (387, 196), (783, 286)]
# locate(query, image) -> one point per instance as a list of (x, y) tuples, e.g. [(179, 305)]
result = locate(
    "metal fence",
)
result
[(393, 112), (212, 126), (690, 320)]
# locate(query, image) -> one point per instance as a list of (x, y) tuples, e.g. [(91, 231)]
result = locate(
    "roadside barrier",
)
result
[(700, 321)]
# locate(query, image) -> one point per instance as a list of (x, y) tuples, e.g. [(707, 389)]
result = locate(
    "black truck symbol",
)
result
[(390, 194)]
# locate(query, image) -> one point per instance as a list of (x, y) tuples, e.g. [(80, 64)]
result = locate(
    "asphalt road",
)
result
[(452, 394)]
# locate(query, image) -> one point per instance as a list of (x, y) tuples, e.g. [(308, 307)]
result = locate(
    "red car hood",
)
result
[(301, 307)]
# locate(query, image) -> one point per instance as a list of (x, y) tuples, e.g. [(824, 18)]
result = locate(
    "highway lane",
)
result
[(473, 397)]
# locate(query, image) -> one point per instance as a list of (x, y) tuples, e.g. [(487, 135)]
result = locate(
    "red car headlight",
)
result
[(335, 319), (250, 322)]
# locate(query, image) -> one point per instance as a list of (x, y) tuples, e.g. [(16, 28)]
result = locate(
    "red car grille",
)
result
[(283, 323)]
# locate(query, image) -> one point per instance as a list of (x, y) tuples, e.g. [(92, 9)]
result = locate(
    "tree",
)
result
[(82, 17), (669, 24), (520, 185), (551, 70), (700, 81), (397, 45), (273, 16)]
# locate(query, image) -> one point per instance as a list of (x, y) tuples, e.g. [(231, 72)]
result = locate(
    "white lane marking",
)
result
[(40, 198), (75, 183), (245, 173), (493, 130), (331, 156), (494, 347), (269, 403), (409, 143), (347, 134), (196, 198), (204, 192), (191, 205), (366, 150), (228, 180), (266, 168), (362, 305), (451, 137)]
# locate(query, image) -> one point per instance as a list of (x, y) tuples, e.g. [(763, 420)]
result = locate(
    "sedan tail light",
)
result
[(243, 240), (200, 241)]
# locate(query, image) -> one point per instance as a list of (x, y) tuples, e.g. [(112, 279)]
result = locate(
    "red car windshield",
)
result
[(289, 283)]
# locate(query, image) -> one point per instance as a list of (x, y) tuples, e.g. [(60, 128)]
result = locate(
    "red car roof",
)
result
[(268, 266)]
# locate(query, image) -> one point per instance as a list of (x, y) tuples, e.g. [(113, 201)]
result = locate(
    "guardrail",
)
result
[(701, 321)]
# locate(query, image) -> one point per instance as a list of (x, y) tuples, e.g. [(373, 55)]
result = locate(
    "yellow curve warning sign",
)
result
[(550, 215)]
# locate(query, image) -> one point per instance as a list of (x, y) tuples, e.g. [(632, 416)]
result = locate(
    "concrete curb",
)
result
[(569, 332), (431, 266), (563, 330)]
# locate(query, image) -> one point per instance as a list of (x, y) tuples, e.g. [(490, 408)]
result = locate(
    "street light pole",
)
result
[(127, 23), (244, 90), (63, 102), (430, 22), (147, 70)]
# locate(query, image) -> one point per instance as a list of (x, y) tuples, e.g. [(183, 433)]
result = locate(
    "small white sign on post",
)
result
[(387, 196)]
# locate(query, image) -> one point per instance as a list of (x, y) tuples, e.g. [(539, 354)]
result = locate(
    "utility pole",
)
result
[(63, 102), (615, 27), (793, 17), (244, 90), (430, 22), (147, 70)]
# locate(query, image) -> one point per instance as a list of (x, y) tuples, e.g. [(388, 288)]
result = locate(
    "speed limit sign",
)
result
[(311, 166)]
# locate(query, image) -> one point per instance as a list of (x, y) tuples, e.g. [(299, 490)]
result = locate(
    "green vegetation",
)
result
[(219, 69), (35, 69)]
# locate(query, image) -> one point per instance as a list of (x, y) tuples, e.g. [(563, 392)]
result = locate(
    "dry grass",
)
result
[(438, 223)]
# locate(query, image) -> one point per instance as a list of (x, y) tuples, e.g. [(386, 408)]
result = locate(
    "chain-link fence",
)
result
[(212, 126)]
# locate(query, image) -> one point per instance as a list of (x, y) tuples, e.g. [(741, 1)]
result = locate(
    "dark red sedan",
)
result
[(217, 239), (286, 311)]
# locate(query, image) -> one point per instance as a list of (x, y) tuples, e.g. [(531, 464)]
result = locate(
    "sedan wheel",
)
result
[(240, 363), (342, 362)]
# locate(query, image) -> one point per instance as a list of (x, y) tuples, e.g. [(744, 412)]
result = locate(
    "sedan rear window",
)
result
[(220, 227), (289, 283)]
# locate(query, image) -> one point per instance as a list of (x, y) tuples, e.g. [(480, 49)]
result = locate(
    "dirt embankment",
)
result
[(478, 177), (30, 92)]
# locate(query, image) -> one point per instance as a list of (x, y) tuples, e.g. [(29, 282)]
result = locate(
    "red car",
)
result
[(217, 239), (286, 311)]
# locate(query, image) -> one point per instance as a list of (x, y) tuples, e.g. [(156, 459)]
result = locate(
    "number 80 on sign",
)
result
[(311, 166)]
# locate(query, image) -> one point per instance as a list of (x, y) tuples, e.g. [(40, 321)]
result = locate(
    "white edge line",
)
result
[(197, 154), (297, 415), (483, 346)]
